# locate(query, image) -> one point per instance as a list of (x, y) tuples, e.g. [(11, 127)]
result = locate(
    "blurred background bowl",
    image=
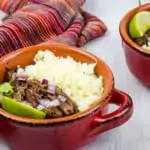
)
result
[(137, 59)]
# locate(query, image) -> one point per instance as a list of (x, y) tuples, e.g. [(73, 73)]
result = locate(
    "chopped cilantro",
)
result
[(6, 89)]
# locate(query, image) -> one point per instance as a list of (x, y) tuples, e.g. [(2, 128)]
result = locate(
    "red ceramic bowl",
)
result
[(138, 60), (67, 133)]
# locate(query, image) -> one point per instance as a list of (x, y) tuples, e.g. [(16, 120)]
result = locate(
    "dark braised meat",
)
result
[(19, 93), (30, 96), (10, 74), (69, 106), (33, 92), (66, 108), (49, 98), (19, 89), (143, 40), (53, 112)]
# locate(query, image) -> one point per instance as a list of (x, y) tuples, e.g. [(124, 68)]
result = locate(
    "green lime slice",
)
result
[(139, 24), (20, 109)]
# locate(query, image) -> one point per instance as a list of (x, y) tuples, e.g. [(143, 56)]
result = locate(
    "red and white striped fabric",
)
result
[(32, 22)]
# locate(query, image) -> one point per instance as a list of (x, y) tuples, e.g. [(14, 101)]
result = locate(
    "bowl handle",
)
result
[(114, 119)]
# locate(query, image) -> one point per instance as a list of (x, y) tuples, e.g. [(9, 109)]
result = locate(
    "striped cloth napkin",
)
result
[(31, 22)]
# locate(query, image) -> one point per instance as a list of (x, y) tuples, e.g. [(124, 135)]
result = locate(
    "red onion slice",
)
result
[(62, 98), (54, 103), (40, 107), (27, 103), (51, 89), (21, 78), (44, 81), (43, 102), (48, 103)]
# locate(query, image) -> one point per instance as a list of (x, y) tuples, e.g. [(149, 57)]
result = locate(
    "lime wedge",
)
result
[(139, 24), (20, 109)]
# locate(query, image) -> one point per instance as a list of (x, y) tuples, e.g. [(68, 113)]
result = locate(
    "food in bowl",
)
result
[(52, 87), (139, 29), (137, 58), (69, 132)]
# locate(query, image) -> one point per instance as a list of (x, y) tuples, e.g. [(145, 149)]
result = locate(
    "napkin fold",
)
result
[(31, 22)]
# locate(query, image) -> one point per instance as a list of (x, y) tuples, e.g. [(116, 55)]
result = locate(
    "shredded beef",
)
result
[(34, 91), (10, 74), (53, 112), (143, 40)]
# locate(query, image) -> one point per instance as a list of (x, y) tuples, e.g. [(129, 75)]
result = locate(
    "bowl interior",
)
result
[(123, 27), (24, 57)]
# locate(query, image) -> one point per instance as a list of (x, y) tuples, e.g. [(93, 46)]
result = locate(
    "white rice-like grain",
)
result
[(75, 78)]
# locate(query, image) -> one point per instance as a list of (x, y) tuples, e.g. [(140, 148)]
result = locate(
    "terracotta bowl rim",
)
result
[(96, 105), (124, 25)]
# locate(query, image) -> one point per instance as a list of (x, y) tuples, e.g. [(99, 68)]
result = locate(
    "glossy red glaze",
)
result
[(138, 59), (138, 64), (68, 133)]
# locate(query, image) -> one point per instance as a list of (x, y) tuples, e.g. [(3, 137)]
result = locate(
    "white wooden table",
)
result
[(135, 134)]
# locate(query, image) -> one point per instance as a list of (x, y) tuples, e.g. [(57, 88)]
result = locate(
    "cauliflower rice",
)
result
[(77, 79)]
